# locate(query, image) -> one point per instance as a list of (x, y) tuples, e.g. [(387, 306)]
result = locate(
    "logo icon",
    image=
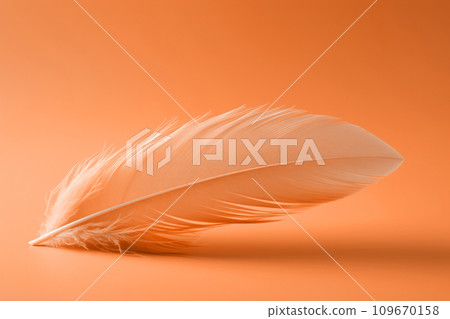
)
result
[(141, 147)]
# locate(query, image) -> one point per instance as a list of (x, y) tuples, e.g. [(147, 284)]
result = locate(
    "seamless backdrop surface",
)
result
[(66, 89)]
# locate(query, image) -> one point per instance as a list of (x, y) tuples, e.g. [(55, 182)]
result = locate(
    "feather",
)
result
[(104, 204)]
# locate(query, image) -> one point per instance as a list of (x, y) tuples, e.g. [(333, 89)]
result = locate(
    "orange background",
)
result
[(66, 89)]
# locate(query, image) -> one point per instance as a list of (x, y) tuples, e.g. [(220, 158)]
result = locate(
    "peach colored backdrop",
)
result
[(66, 89)]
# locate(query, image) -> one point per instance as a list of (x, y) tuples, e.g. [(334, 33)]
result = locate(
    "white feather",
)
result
[(103, 204)]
